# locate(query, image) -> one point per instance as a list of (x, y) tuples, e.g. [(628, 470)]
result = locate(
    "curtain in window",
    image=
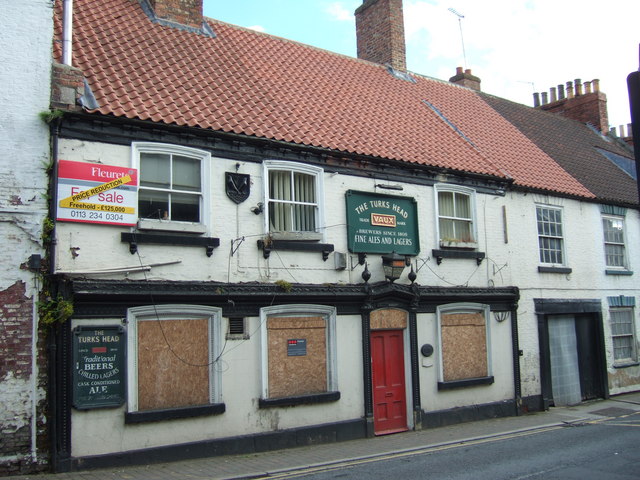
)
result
[(155, 170), (455, 219), (304, 215), (186, 174), (292, 201)]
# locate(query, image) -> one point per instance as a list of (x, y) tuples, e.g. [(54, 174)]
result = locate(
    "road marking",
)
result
[(298, 472)]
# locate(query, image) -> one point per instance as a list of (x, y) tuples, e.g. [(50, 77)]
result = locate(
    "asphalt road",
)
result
[(604, 450)]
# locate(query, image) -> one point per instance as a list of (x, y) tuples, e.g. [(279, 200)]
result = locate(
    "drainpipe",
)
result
[(34, 368), (517, 380), (67, 31)]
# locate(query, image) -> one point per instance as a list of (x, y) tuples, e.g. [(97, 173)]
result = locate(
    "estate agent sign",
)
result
[(382, 223), (96, 193), (98, 367)]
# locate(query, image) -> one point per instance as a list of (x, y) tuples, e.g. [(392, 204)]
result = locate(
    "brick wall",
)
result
[(67, 85), (184, 12), (380, 33), (16, 378)]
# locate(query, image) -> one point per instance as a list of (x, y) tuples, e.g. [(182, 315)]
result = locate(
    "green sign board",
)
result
[(98, 367), (382, 223)]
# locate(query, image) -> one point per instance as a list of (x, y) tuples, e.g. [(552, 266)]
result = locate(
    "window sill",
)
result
[(625, 365), (296, 246), (457, 253), (169, 226), (299, 400), (468, 382), (618, 272), (458, 245), (133, 239), (296, 236), (560, 270), (174, 413)]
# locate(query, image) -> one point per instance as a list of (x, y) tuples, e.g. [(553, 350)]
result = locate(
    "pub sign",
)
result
[(98, 367), (379, 223)]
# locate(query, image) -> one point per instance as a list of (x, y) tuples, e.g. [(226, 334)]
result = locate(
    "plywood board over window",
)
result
[(173, 358), (464, 346), (388, 319), (297, 375)]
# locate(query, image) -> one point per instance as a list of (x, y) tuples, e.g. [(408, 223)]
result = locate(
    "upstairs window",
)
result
[(550, 235), (293, 200), (614, 242), (172, 182), (456, 212)]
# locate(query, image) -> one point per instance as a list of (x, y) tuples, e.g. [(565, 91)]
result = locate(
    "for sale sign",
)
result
[(96, 193)]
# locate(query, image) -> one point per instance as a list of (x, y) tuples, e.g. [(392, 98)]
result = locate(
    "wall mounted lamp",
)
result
[(393, 266)]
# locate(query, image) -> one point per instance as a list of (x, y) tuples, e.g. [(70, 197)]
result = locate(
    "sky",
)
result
[(516, 47)]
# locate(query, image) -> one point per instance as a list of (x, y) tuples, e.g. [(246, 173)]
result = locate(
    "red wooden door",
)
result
[(389, 397)]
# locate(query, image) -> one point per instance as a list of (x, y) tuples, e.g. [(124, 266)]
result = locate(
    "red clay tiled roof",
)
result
[(254, 84)]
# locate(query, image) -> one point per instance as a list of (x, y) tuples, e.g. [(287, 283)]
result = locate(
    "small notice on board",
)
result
[(297, 347)]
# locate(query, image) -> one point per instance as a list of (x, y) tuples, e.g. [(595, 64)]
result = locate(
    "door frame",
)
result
[(546, 307), (409, 362)]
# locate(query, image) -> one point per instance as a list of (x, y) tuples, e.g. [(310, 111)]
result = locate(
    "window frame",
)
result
[(541, 235), (464, 308), (300, 310), (457, 190), (201, 227), (173, 312), (293, 167), (625, 258), (633, 359)]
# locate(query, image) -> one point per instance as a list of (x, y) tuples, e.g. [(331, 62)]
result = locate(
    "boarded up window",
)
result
[(292, 375), (388, 319), (464, 346), (173, 357)]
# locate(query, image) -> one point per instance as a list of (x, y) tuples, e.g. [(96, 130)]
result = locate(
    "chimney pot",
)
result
[(458, 70), (587, 87), (554, 95), (569, 90), (545, 98), (613, 131), (596, 85), (468, 71), (536, 99), (629, 130), (561, 92), (621, 127), (578, 83)]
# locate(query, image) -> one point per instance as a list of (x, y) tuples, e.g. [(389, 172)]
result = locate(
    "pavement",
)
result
[(296, 461)]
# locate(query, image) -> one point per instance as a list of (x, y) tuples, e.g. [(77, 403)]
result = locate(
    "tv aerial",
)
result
[(460, 17)]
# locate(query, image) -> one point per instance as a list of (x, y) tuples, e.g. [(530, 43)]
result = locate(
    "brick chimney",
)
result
[(466, 79), (584, 103), (380, 33), (184, 12)]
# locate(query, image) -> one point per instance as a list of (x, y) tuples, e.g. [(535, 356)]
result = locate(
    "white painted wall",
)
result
[(25, 56)]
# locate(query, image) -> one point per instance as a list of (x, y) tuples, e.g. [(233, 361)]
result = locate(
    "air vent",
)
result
[(237, 328)]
